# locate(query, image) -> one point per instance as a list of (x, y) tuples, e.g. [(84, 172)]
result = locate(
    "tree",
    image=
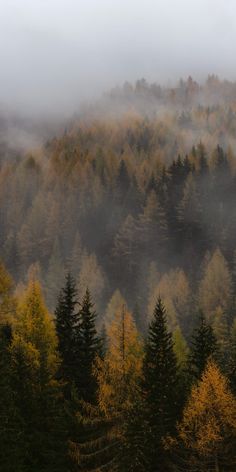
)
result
[(215, 290), (181, 348), (91, 276), (207, 431), (152, 228), (12, 438), (55, 274), (38, 393), (89, 346), (203, 346), (115, 305), (101, 439), (126, 253), (7, 302), (232, 356), (160, 389), (118, 374), (175, 292), (67, 328), (189, 217)]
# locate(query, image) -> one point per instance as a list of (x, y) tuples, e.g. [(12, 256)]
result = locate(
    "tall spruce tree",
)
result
[(89, 346), (160, 390), (67, 328), (203, 346)]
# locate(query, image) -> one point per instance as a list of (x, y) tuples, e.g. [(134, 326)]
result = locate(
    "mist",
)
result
[(56, 54)]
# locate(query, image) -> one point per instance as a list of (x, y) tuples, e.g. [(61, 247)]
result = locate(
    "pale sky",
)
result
[(55, 53)]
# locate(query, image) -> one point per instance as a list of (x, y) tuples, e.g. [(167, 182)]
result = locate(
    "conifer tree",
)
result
[(7, 302), (101, 436), (203, 346), (89, 346), (207, 432), (160, 390), (12, 443), (38, 393), (67, 328), (232, 357)]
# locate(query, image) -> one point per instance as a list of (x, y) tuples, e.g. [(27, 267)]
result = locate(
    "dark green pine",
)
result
[(13, 443), (89, 347), (160, 390), (67, 327), (203, 346)]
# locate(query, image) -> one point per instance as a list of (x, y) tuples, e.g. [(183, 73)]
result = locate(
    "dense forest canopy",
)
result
[(136, 197), (118, 285)]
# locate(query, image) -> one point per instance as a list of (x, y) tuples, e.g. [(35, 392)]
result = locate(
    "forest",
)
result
[(118, 286)]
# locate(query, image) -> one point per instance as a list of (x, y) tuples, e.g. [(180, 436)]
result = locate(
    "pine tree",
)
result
[(67, 328), (89, 346), (160, 390), (203, 346)]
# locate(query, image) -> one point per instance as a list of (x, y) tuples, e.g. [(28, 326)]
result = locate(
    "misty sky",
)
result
[(56, 52)]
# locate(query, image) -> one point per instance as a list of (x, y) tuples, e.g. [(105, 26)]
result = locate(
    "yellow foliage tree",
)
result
[(7, 302), (174, 290), (115, 304), (215, 287), (208, 427), (34, 366), (118, 373), (34, 332)]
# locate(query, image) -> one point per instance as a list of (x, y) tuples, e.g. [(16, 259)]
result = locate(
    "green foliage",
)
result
[(67, 328), (203, 346), (89, 346)]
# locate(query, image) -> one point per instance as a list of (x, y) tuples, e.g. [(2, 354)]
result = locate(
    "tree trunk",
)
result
[(217, 469)]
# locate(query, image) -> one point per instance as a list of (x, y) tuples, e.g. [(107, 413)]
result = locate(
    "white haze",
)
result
[(56, 53)]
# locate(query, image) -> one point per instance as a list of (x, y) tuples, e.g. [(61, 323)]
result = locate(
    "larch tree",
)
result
[(91, 276), (34, 365), (7, 302), (215, 290), (117, 374), (207, 432), (180, 347), (115, 305), (175, 292)]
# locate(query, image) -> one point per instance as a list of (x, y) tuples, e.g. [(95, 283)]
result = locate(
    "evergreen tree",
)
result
[(67, 328), (12, 440), (89, 346), (160, 390), (203, 346)]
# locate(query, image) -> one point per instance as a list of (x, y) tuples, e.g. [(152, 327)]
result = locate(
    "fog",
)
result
[(57, 53)]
